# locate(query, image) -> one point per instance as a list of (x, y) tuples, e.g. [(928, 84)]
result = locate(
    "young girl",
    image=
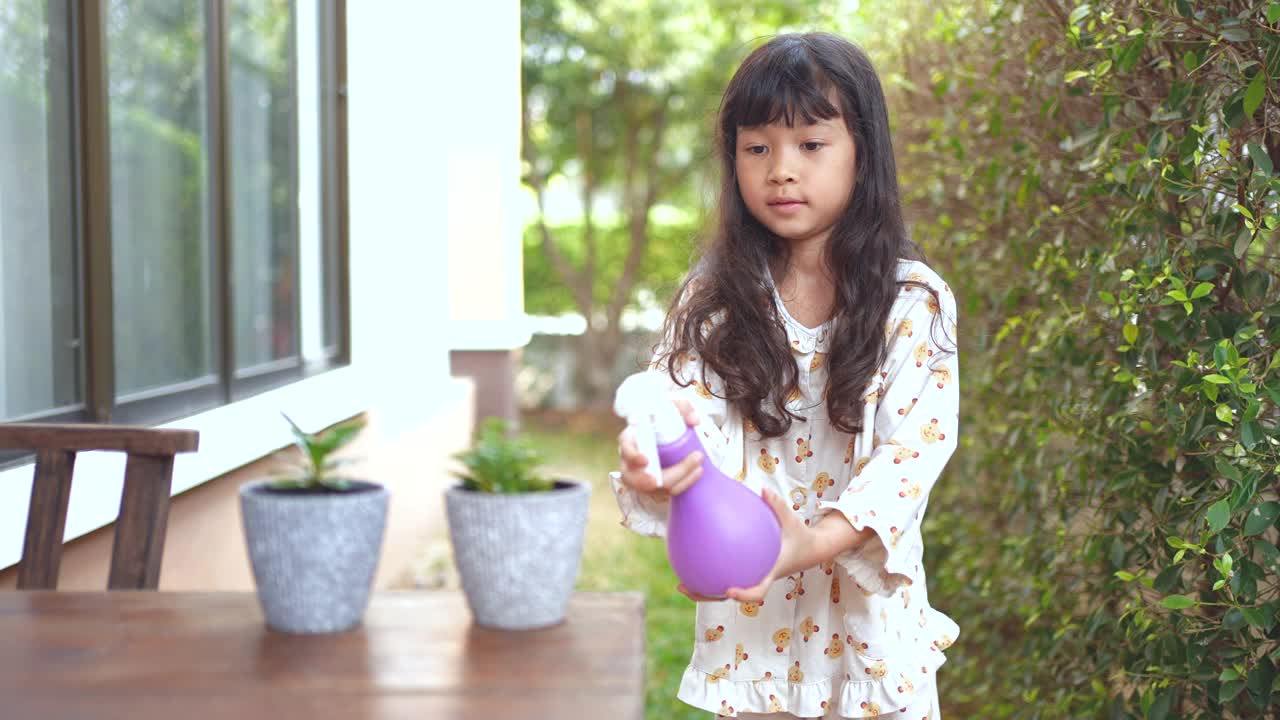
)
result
[(811, 347)]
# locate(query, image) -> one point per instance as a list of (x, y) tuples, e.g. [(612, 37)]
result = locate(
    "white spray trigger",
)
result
[(642, 399), (642, 433)]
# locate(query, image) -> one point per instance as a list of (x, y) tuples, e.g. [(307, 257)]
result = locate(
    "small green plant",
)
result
[(316, 470), (500, 461)]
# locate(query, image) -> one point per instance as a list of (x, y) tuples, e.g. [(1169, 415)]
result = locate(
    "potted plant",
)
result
[(517, 536), (314, 537)]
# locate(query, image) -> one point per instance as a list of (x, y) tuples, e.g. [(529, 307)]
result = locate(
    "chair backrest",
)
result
[(144, 504)]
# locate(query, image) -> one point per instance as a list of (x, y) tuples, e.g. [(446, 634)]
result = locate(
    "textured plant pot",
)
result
[(518, 555), (313, 554)]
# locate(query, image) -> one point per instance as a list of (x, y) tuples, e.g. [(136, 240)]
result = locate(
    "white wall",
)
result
[(424, 100), (484, 222)]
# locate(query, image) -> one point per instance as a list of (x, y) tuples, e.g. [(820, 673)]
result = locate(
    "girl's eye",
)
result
[(752, 149), (812, 145)]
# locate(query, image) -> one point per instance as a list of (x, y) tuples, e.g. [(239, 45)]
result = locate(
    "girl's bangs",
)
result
[(780, 88)]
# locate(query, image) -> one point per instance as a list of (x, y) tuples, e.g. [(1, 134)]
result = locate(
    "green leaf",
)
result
[(1217, 379), (1125, 576), (1261, 518), (1260, 158), (1243, 241), (1130, 333), (1201, 290), (1107, 297), (1273, 13), (1078, 14), (1074, 75), (1233, 620), (1235, 34), (1226, 469), (1230, 690), (1255, 92), (1178, 602), (1251, 434), (1218, 515), (1223, 411), (1159, 709), (1228, 675), (1254, 617), (1190, 61)]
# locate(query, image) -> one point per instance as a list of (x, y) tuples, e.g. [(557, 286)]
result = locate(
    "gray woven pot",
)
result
[(518, 554), (313, 554)]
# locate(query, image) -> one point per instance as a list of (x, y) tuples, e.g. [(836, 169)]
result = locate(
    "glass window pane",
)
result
[(39, 338), (157, 85), (263, 144)]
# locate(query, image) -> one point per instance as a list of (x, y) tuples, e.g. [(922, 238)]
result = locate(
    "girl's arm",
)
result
[(917, 422)]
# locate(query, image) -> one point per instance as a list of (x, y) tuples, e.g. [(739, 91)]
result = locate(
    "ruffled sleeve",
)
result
[(916, 423), (644, 513)]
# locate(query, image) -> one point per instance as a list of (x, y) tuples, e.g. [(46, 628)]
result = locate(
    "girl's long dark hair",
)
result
[(724, 311)]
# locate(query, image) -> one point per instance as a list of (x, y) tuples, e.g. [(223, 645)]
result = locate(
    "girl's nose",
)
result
[(780, 172)]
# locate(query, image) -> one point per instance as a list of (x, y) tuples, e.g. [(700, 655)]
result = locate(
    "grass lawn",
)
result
[(614, 558)]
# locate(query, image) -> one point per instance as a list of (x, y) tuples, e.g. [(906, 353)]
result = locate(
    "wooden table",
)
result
[(183, 656)]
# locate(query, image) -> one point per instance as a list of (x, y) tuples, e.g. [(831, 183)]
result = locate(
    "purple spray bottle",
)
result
[(720, 534)]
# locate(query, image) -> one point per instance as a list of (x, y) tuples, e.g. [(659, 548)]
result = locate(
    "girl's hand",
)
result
[(675, 479), (800, 550)]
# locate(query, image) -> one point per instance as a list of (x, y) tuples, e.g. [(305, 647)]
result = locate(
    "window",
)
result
[(40, 348), (172, 229)]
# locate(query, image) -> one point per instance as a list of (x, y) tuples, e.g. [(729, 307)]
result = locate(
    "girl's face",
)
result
[(797, 181)]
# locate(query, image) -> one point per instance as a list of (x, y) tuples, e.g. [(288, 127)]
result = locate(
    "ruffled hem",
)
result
[(897, 681), (871, 565), (730, 697), (635, 516)]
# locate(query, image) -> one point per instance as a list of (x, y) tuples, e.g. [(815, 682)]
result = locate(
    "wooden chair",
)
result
[(144, 504)]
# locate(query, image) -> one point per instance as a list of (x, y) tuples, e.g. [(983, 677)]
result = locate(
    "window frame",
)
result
[(83, 22)]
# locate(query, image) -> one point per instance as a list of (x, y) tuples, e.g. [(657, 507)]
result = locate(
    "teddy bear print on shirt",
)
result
[(922, 354), (822, 483), (807, 628), (930, 433), (902, 452), (909, 406), (910, 489), (767, 462), (942, 376), (803, 451), (739, 656), (835, 648), (781, 639), (799, 496), (714, 634), (797, 585)]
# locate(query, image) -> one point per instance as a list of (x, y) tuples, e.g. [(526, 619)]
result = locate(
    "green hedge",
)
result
[(1100, 184)]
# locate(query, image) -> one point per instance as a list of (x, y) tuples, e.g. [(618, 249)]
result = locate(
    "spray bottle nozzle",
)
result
[(652, 418)]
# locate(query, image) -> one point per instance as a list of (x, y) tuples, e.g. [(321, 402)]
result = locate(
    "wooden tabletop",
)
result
[(183, 656)]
